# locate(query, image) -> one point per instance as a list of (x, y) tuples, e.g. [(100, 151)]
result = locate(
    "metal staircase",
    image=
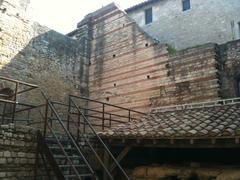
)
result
[(68, 138)]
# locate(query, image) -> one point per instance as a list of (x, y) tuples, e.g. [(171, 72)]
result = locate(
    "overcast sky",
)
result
[(63, 15)]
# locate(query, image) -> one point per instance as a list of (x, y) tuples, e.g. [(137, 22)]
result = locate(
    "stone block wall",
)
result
[(215, 21), (184, 172), (229, 55), (39, 55), (18, 146)]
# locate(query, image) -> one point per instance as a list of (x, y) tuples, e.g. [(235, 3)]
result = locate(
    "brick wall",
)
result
[(191, 75), (130, 69)]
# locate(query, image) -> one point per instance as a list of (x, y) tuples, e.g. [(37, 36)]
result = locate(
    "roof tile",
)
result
[(214, 121)]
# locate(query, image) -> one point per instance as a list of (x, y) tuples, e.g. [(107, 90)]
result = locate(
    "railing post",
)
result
[(3, 114), (103, 116), (15, 99), (129, 115), (110, 120), (46, 119), (69, 110), (52, 118), (28, 117), (78, 130)]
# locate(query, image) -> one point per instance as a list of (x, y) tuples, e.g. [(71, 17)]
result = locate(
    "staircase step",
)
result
[(63, 157), (69, 166), (81, 175)]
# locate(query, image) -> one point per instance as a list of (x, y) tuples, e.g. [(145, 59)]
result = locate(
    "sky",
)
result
[(63, 15)]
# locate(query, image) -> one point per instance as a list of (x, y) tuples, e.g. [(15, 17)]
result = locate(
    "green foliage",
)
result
[(170, 49)]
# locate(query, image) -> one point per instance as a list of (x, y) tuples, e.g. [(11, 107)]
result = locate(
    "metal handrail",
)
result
[(48, 105), (67, 132), (64, 152), (112, 105), (104, 112), (99, 138), (95, 153), (96, 111), (16, 81)]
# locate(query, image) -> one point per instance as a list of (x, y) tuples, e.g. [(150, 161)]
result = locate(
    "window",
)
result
[(186, 5), (148, 16)]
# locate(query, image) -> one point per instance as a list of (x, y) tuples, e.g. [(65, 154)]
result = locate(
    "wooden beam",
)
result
[(121, 155), (106, 160)]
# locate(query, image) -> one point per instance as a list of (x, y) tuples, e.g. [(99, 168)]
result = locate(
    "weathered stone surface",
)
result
[(184, 172), (179, 28), (37, 54)]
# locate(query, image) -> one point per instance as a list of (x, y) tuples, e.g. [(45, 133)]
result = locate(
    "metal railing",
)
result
[(63, 130), (82, 119), (41, 118), (104, 115), (9, 101), (65, 121)]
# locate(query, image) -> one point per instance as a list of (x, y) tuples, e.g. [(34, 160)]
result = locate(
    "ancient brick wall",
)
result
[(129, 68), (191, 75), (37, 54), (18, 146)]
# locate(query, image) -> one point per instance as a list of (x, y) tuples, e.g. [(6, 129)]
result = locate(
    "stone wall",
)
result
[(37, 54), (130, 69), (229, 55), (18, 146), (182, 173), (213, 21)]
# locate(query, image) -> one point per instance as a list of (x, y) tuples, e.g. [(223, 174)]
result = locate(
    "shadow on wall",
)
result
[(50, 60)]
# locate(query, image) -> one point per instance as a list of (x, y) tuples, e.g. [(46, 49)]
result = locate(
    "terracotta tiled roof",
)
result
[(210, 121)]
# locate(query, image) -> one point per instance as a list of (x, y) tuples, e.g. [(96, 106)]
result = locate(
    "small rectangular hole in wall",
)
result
[(148, 77), (107, 99), (167, 65), (114, 84), (114, 55), (168, 73), (146, 45)]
